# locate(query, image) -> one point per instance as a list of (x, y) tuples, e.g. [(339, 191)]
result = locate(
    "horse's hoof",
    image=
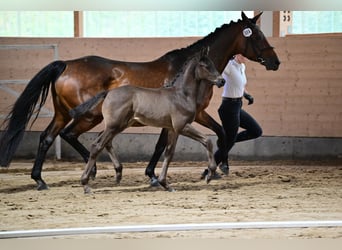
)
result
[(171, 189), (215, 176), (224, 168), (87, 190), (41, 185), (154, 182)]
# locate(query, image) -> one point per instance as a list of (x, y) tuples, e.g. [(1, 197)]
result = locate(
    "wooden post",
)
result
[(78, 24), (282, 21)]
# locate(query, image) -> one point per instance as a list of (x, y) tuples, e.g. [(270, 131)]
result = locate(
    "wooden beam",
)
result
[(282, 22), (78, 24), (276, 23)]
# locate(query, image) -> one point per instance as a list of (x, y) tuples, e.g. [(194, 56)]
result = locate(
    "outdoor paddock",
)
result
[(254, 191)]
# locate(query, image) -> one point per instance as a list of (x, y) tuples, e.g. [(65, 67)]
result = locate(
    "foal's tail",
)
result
[(16, 121), (83, 108)]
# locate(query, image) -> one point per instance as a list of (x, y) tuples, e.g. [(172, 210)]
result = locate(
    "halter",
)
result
[(256, 49)]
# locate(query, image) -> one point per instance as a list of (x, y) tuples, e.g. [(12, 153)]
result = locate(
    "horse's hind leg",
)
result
[(116, 162), (71, 133), (46, 140), (159, 149)]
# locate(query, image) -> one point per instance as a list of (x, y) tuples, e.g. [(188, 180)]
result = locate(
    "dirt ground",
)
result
[(263, 191)]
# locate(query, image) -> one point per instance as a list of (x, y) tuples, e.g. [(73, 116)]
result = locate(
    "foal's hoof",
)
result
[(87, 190), (171, 189), (207, 178), (204, 174), (154, 182), (92, 174), (118, 172), (166, 186), (41, 185), (118, 178)]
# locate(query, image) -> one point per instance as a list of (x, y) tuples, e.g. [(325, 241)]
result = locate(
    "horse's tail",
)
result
[(16, 121), (83, 108)]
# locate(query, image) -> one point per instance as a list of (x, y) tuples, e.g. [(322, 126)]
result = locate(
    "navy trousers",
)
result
[(232, 117)]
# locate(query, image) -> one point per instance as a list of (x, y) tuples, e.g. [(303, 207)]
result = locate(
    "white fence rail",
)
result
[(168, 227)]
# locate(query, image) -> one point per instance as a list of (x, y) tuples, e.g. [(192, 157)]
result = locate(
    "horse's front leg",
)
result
[(192, 133), (159, 149), (168, 155)]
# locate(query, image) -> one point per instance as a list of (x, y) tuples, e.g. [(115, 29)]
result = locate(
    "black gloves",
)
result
[(249, 98)]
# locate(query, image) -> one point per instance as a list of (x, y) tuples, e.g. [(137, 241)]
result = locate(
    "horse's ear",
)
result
[(255, 19), (243, 15)]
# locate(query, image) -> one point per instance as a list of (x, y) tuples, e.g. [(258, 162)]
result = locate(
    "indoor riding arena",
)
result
[(286, 184)]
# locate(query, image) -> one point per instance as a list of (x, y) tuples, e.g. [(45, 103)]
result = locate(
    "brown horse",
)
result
[(75, 81), (173, 108)]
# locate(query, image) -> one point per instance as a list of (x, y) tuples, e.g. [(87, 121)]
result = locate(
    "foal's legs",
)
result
[(191, 132), (207, 121), (97, 146), (116, 162), (168, 155)]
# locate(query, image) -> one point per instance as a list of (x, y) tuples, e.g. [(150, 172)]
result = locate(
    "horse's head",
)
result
[(206, 70), (254, 44)]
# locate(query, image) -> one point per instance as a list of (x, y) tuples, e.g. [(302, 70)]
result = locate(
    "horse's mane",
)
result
[(196, 46), (180, 72), (205, 41)]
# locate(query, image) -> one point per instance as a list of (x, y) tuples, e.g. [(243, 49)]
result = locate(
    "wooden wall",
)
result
[(302, 98)]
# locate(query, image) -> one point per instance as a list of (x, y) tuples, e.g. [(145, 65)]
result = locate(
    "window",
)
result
[(148, 23), (155, 23), (36, 23), (304, 22), (115, 23)]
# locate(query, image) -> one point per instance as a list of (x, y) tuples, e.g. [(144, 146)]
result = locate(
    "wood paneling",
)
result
[(302, 98)]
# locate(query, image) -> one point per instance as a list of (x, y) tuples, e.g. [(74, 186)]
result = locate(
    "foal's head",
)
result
[(206, 70)]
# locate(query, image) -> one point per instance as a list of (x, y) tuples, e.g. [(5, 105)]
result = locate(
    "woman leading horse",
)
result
[(75, 81)]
